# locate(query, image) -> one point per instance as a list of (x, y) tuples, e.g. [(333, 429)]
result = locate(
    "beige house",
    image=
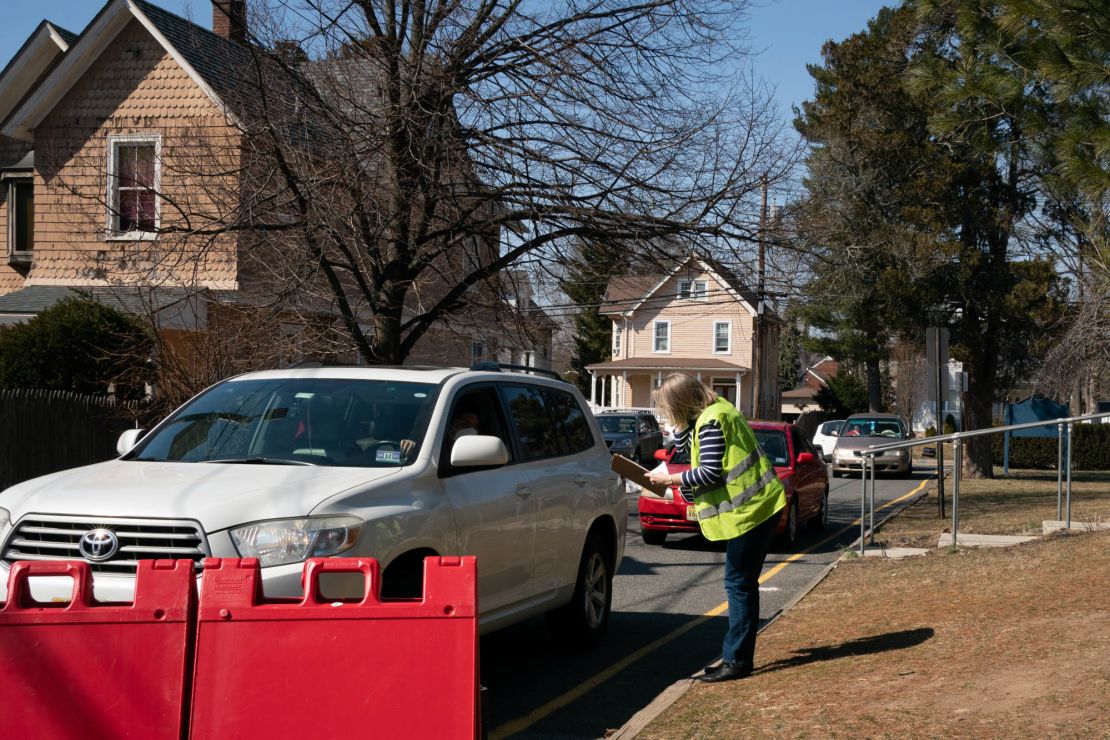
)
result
[(120, 159), (699, 320)]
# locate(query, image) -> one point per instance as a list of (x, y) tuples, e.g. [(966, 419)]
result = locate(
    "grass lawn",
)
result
[(1016, 504), (983, 643)]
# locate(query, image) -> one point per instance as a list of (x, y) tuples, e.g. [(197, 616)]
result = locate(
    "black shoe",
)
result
[(725, 672)]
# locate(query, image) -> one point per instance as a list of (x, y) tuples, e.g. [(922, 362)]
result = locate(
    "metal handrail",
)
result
[(957, 439)]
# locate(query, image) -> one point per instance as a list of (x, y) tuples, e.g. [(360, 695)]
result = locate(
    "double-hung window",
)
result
[(134, 173), (693, 289), (722, 337), (662, 338), (617, 339)]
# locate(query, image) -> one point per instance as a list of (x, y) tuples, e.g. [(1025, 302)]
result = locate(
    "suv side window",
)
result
[(569, 420), (531, 422), (548, 422), (478, 406)]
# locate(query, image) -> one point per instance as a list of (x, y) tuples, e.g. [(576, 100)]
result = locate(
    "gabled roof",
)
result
[(625, 291), (630, 293), (207, 58), (42, 49)]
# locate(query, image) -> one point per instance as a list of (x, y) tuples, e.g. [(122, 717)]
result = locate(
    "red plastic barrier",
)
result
[(314, 668), (82, 669)]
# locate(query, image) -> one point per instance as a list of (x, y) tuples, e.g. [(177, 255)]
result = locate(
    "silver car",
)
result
[(860, 432)]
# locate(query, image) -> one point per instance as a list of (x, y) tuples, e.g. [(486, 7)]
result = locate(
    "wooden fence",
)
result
[(46, 431)]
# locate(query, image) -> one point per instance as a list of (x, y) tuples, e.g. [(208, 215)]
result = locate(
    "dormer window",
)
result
[(693, 289), (134, 175)]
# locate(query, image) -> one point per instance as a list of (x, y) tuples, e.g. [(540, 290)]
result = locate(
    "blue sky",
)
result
[(788, 33)]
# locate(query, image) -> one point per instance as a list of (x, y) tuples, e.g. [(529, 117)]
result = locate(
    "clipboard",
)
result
[(636, 473)]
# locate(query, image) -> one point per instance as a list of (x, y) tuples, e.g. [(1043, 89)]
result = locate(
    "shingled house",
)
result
[(118, 148)]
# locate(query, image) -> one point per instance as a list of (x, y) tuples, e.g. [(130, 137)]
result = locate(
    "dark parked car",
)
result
[(797, 465), (634, 434)]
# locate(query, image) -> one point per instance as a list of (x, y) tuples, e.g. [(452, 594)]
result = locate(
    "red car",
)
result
[(797, 464)]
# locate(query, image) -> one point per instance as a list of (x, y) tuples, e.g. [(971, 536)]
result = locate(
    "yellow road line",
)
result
[(522, 723)]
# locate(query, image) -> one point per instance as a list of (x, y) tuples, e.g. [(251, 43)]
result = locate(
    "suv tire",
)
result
[(582, 623)]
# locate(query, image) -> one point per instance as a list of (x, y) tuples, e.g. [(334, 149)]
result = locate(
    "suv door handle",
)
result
[(581, 480), (523, 490)]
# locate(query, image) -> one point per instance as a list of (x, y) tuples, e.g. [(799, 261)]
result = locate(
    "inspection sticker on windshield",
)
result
[(387, 456)]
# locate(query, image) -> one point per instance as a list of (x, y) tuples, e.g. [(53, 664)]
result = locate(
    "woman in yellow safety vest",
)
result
[(737, 498)]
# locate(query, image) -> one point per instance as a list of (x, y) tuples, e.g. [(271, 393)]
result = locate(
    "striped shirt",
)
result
[(711, 453)]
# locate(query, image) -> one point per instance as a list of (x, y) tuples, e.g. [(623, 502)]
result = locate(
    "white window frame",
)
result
[(618, 338), (655, 337), (693, 290), (114, 143), (728, 349)]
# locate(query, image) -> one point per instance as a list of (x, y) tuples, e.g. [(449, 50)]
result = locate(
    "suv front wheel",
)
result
[(582, 623)]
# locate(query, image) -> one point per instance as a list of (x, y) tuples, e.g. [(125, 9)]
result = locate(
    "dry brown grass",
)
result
[(978, 643), (1017, 504)]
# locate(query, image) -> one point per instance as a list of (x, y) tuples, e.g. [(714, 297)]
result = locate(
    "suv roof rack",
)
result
[(497, 367)]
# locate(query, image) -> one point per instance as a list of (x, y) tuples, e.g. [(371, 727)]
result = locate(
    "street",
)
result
[(660, 629)]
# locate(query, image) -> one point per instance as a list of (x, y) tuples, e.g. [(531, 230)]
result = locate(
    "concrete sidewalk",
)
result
[(964, 539)]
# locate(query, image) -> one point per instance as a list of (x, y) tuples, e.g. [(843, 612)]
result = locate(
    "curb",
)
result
[(641, 719)]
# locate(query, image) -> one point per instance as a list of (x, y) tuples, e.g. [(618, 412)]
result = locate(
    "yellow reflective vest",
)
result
[(751, 493)]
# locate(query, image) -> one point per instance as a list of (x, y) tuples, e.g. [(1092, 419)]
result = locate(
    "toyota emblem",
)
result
[(98, 545)]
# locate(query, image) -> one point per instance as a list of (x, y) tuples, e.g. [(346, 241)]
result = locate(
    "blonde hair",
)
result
[(681, 398)]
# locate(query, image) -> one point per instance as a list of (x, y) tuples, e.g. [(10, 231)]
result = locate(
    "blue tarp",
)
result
[(1035, 408)]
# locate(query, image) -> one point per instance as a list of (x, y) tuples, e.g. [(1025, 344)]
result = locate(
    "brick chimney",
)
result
[(229, 19)]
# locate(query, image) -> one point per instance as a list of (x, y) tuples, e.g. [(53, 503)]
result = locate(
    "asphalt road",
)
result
[(666, 624)]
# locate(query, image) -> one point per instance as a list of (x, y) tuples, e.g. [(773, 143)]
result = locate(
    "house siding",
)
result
[(11, 151), (134, 88), (692, 323)]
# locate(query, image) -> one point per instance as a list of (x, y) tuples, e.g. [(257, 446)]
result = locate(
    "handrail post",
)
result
[(957, 463), (1068, 521), (871, 526), (862, 505), (1059, 468)]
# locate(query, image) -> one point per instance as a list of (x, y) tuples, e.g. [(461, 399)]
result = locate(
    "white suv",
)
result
[(391, 463)]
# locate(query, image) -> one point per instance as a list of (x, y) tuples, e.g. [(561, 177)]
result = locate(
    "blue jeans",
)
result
[(744, 556)]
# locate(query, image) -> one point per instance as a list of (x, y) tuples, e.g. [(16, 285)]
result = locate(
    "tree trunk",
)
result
[(874, 386)]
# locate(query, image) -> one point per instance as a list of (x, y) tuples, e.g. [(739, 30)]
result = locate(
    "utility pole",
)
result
[(757, 349)]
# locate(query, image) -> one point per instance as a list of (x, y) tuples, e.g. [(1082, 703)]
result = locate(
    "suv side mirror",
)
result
[(128, 440), (662, 454), (806, 457), (478, 450)]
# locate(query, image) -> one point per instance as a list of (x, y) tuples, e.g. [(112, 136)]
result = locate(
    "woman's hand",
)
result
[(660, 478)]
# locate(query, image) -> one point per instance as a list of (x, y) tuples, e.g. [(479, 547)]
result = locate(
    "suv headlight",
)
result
[(5, 523), (282, 541)]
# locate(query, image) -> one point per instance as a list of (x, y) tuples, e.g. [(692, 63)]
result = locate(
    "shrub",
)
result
[(1090, 449), (77, 345)]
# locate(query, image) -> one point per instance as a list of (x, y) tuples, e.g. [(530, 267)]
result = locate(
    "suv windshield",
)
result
[(873, 428), (617, 424), (297, 421)]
